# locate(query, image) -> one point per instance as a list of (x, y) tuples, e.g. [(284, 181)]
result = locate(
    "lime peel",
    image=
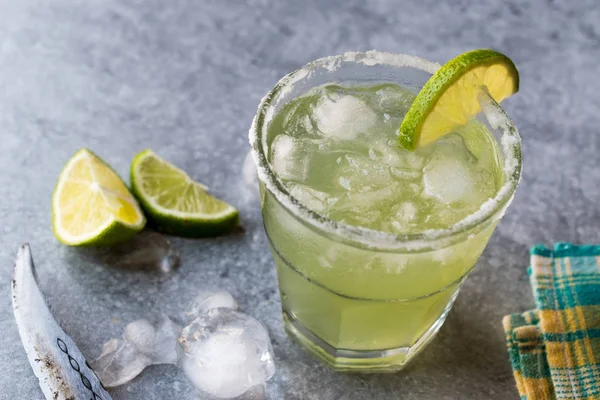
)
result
[(91, 205), (176, 204), (449, 98)]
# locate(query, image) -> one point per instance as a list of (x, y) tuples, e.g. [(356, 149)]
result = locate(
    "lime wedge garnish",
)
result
[(449, 98), (91, 205), (176, 204)]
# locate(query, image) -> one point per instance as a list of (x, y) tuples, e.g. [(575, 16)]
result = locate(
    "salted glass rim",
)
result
[(491, 210)]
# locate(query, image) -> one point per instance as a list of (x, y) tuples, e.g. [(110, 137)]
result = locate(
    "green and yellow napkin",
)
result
[(555, 349)]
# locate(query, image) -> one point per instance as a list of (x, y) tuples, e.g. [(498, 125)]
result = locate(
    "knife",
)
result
[(61, 369)]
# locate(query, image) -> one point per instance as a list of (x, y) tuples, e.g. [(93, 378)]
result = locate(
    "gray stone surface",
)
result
[(185, 77)]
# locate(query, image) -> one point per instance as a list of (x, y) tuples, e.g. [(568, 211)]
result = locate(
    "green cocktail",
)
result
[(372, 242)]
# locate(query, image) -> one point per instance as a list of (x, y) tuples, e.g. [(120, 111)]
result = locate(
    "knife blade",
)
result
[(62, 370)]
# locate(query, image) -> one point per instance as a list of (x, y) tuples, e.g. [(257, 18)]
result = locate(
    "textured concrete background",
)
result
[(185, 77)]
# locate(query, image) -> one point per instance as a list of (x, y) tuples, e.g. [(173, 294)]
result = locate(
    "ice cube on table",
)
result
[(224, 353), (344, 117), (119, 363), (448, 179), (142, 345), (290, 157), (258, 392), (140, 333), (164, 350), (159, 343), (209, 299), (147, 251)]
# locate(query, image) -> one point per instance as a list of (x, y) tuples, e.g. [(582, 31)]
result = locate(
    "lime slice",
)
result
[(449, 98), (91, 205), (176, 204)]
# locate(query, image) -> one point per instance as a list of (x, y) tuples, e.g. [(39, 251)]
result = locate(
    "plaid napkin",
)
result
[(555, 349)]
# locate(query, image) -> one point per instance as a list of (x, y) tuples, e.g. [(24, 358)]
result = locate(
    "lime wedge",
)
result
[(176, 204), (91, 205), (449, 98)]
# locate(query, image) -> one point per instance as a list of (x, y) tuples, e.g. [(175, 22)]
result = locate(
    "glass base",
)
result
[(363, 361)]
